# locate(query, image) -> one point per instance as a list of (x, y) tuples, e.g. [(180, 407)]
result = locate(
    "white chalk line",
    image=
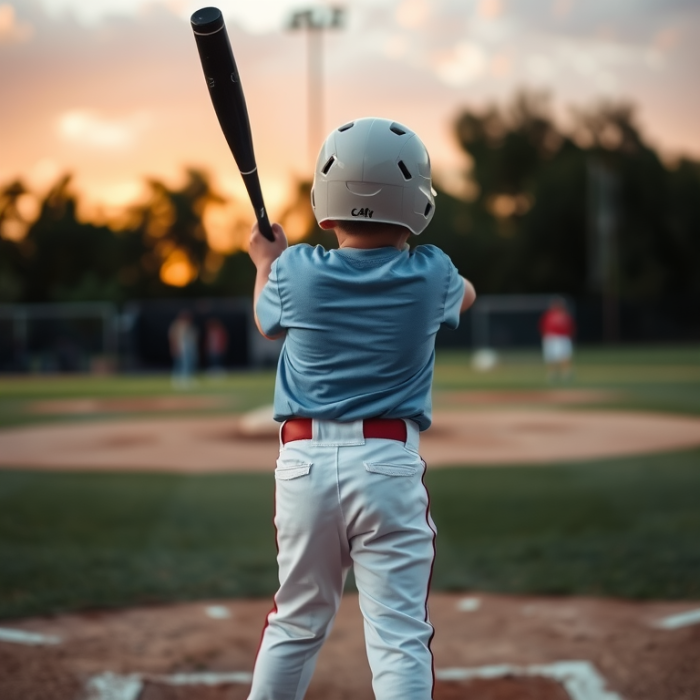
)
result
[(468, 604), (684, 619), (22, 637), (217, 612), (203, 678), (579, 678), (112, 686), (15, 636)]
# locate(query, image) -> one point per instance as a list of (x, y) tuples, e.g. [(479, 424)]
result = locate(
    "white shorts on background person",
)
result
[(557, 348), (344, 500)]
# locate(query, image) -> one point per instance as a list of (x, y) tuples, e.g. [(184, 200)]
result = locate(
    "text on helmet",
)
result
[(365, 212)]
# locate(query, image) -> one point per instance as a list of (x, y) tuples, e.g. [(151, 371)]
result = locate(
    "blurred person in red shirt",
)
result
[(217, 343), (557, 329)]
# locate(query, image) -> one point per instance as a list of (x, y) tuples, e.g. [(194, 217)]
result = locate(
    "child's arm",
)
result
[(469, 295), (263, 253)]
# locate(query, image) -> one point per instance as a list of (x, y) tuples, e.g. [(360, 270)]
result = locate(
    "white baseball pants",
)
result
[(343, 500)]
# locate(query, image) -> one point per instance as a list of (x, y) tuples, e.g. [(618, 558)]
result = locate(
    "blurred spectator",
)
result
[(557, 330), (182, 335), (217, 342)]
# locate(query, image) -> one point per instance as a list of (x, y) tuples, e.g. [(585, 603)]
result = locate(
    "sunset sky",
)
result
[(112, 90)]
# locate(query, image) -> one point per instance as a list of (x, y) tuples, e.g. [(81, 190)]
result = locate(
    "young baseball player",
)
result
[(557, 329), (353, 393)]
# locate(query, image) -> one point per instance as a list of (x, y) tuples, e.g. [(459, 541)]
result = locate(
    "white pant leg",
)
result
[(392, 546), (313, 560), (556, 348), (335, 492)]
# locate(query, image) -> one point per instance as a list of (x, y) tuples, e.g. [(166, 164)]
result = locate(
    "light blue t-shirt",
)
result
[(360, 330)]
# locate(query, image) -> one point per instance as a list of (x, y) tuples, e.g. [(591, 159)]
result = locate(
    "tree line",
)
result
[(583, 211)]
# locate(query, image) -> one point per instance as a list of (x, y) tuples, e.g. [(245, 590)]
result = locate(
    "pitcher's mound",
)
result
[(221, 443)]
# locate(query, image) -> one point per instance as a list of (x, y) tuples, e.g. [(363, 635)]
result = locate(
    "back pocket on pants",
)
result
[(287, 470), (391, 469)]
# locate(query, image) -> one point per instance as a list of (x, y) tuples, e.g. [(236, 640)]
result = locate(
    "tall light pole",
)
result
[(314, 21), (603, 206)]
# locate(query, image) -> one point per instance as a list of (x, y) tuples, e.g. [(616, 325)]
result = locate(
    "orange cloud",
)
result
[(462, 64), (667, 39), (88, 128), (412, 14), (490, 9), (501, 65)]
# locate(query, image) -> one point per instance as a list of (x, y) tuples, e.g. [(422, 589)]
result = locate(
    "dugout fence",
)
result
[(100, 337), (144, 333), (61, 337)]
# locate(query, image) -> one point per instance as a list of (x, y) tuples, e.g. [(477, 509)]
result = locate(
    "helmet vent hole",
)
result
[(347, 126), (405, 171), (328, 165), (397, 129), (428, 208)]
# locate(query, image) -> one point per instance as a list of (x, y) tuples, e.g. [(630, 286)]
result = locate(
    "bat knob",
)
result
[(208, 20)]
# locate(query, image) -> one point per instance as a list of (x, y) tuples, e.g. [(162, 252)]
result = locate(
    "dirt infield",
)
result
[(125, 405), (619, 650), (224, 443)]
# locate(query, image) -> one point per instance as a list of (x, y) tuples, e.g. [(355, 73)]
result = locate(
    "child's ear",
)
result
[(328, 224)]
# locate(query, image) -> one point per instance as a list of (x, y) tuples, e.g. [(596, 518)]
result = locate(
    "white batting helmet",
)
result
[(374, 169)]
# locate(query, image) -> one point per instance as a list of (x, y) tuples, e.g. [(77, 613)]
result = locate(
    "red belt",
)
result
[(387, 428)]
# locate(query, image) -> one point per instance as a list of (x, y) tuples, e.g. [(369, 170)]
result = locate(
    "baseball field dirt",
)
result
[(229, 443), (546, 648), (486, 646)]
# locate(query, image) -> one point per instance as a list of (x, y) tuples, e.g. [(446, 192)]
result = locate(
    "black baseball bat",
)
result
[(226, 92)]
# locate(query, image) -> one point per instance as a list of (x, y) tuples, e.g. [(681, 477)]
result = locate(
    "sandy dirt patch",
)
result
[(561, 397), (219, 443), (132, 404), (620, 641)]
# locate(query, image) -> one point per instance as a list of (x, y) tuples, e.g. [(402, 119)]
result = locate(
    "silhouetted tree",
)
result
[(529, 227), (682, 226), (11, 219), (169, 222), (526, 229), (298, 216), (64, 259)]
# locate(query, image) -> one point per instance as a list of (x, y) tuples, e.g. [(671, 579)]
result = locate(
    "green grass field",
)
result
[(617, 527)]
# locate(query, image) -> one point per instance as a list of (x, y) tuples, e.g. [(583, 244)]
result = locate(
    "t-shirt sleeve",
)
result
[(453, 296), (269, 307)]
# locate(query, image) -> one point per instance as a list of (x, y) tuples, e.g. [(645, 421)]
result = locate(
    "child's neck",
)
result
[(366, 241)]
